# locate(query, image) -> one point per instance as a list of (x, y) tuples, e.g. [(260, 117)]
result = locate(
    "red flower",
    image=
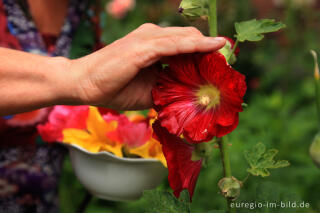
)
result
[(199, 96), (62, 117), (183, 171)]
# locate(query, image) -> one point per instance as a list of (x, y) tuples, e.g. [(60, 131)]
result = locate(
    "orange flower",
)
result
[(94, 138)]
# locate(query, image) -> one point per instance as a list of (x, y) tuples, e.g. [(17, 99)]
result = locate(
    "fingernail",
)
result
[(215, 40), (218, 39)]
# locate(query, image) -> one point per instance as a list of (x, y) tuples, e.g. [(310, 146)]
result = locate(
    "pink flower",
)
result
[(62, 117), (119, 8), (133, 134)]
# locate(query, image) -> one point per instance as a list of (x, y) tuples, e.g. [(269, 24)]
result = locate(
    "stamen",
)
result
[(204, 100), (208, 96)]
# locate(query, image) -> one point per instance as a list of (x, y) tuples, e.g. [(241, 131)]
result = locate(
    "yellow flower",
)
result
[(151, 149), (94, 138)]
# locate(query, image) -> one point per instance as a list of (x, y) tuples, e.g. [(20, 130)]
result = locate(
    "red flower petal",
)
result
[(173, 104), (183, 172), (184, 69), (223, 130), (49, 132)]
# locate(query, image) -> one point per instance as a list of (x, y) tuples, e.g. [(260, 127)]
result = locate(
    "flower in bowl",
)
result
[(113, 155)]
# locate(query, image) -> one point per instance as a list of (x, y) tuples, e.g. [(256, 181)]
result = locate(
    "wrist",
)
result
[(64, 84)]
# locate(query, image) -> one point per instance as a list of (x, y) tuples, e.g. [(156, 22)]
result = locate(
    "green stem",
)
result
[(233, 50), (213, 20), (225, 157), (223, 146)]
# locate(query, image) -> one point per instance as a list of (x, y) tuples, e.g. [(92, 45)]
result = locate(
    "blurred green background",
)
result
[(281, 111)]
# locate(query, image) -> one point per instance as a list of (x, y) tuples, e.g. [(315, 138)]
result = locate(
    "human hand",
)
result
[(122, 74)]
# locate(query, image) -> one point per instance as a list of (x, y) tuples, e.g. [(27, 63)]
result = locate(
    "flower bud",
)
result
[(315, 150), (230, 187), (202, 151), (193, 9), (227, 51)]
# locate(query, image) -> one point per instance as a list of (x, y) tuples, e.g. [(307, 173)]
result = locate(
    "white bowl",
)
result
[(112, 178)]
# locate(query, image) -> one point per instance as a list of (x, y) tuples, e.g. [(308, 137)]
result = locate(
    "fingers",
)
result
[(174, 45), (155, 42), (180, 31), (154, 31)]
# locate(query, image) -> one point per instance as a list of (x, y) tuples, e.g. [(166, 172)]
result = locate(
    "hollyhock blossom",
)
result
[(183, 170), (200, 96), (62, 117)]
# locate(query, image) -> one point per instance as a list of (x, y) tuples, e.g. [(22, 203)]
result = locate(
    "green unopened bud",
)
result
[(202, 151), (315, 150), (193, 9), (230, 187), (229, 53)]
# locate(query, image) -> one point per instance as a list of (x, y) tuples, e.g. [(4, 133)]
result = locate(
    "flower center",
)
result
[(208, 96), (204, 100)]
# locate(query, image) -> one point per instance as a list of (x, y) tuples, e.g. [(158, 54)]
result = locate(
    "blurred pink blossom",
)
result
[(119, 8), (62, 117), (131, 133)]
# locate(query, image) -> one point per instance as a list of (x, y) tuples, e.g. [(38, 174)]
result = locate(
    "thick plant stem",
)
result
[(223, 146), (213, 20), (225, 157)]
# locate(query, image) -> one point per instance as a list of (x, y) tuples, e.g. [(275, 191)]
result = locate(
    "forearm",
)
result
[(29, 81)]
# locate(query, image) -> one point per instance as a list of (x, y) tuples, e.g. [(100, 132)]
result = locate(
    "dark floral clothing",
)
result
[(29, 168)]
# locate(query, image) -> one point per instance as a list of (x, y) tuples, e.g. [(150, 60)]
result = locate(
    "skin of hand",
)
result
[(122, 74)]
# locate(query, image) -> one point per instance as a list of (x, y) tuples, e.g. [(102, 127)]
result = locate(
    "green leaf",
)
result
[(260, 160), (253, 30), (163, 201), (217, 211)]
